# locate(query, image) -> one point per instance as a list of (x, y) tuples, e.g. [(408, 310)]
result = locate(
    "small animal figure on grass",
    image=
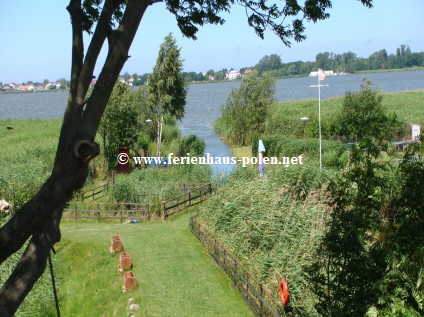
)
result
[(115, 245), (4, 207), (133, 309), (124, 263), (129, 282)]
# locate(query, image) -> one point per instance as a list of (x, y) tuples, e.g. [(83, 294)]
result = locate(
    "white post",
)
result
[(319, 119), (319, 123)]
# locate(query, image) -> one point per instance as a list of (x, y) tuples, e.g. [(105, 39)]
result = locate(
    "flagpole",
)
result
[(319, 122), (320, 74)]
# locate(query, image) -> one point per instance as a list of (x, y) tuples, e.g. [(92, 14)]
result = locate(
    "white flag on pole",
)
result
[(321, 74)]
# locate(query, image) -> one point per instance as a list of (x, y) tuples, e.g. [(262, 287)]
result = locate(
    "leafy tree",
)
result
[(126, 76), (115, 21), (268, 63), (120, 124), (246, 109), (193, 145), (167, 87), (45, 82), (323, 60), (370, 259), (364, 118)]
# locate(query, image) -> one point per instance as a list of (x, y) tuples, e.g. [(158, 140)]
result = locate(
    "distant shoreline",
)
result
[(376, 71), (12, 92)]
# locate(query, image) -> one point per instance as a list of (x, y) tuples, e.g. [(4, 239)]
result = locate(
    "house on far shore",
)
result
[(247, 72), (233, 74)]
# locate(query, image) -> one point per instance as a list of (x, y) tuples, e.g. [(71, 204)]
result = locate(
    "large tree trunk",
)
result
[(39, 219)]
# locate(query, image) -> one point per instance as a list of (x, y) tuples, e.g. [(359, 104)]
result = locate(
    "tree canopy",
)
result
[(167, 87)]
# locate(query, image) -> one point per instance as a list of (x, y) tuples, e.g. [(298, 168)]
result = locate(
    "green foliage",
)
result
[(26, 158), (270, 231), (246, 109), (193, 145), (167, 88), (268, 63), (120, 124), (346, 62), (141, 185), (335, 154), (371, 255), (363, 116)]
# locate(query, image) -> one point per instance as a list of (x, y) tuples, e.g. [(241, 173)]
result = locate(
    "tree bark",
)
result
[(40, 217)]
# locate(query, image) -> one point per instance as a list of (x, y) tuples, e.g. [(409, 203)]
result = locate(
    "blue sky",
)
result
[(36, 38)]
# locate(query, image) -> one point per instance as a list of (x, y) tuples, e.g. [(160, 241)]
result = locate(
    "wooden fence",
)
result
[(94, 194), (101, 211), (193, 197), (259, 300), (141, 210)]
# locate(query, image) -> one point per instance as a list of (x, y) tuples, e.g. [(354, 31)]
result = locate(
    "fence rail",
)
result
[(191, 198), (259, 300), (100, 211), (94, 193), (187, 197)]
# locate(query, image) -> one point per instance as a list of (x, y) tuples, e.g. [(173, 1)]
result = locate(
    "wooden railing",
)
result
[(259, 300), (191, 198), (94, 193), (186, 197), (101, 211)]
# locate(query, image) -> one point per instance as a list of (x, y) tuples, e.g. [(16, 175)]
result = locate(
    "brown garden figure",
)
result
[(124, 262), (129, 282), (115, 245)]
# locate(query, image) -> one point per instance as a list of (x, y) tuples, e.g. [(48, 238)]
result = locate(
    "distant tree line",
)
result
[(345, 62)]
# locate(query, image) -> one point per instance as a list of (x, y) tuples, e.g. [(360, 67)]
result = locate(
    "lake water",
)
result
[(204, 101)]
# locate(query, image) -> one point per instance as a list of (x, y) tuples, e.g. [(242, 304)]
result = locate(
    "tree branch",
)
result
[(75, 11), (118, 54), (30, 267), (101, 32)]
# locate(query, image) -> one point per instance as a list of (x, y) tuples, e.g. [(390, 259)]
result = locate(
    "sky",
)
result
[(36, 38)]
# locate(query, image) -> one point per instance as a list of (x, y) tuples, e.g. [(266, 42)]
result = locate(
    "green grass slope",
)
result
[(176, 276)]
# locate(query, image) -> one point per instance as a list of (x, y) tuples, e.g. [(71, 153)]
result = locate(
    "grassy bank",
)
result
[(406, 69), (285, 117), (26, 159), (176, 276), (273, 226)]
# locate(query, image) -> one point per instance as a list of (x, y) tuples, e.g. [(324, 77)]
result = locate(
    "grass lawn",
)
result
[(176, 276)]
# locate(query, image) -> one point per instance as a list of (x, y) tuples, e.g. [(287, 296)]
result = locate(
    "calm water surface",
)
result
[(204, 101)]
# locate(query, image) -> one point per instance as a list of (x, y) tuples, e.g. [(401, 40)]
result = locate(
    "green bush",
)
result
[(335, 154), (246, 109), (193, 145), (145, 184)]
